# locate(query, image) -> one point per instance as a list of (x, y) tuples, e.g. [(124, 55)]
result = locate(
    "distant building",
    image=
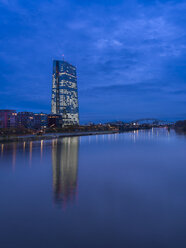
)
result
[(55, 121), (64, 92), (25, 119), (40, 121), (7, 118)]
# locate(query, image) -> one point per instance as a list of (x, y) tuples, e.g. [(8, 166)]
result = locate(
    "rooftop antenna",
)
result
[(63, 57)]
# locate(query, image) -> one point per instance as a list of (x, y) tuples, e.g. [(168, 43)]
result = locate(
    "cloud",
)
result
[(133, 49), (126, 89)]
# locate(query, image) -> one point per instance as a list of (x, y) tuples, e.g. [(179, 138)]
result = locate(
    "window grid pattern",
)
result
[(64, 92)]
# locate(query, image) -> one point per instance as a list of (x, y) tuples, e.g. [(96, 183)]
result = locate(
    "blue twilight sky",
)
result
[(130, 56)]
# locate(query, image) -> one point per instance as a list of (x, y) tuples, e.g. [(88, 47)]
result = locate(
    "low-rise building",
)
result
[(7, 118), (55, 120), (25, 119), (40, 121)]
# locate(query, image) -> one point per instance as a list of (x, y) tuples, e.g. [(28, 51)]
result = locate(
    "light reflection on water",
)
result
[(65, 169), (117, 190)]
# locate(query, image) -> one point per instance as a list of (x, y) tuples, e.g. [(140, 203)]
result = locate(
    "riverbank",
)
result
[(48, 136)]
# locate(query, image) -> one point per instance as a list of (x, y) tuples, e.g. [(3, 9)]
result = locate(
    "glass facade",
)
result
[(64, 92)]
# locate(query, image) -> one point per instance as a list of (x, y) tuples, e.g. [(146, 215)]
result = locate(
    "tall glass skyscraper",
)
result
[(64, 92)]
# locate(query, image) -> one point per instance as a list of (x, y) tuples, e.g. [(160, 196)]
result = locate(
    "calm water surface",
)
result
[(120, 190)]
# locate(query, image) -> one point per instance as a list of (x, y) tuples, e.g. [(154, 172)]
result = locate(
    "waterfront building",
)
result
[(7, 118), (55, 120), (64, 92), (40, 121), (25, 119)]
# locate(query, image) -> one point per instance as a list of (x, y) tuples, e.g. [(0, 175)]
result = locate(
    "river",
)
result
[(120, 190)]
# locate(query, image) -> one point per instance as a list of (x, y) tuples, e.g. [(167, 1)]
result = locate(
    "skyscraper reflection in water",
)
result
[(65, 169)]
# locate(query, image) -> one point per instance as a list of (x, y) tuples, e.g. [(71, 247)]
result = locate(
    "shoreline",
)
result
[(50, 136)]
